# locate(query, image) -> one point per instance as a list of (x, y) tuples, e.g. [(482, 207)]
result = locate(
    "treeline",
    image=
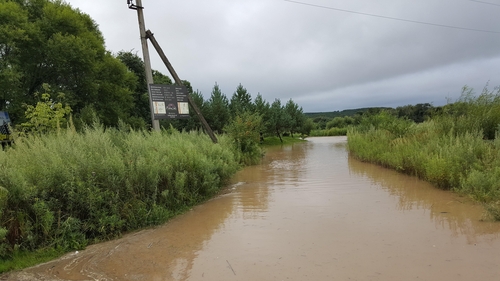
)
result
[(52, 53), (457, 146), (341, 119), (220, 110), (277, 119), (346, 112)]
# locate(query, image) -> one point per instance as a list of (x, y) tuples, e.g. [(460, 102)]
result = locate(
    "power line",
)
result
[(393, 18), (483, 2)]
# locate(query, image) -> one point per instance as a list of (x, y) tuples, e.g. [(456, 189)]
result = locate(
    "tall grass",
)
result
[(329, 132), (458, 149), (68, 189)]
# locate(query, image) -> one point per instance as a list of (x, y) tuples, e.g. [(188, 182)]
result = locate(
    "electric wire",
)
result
[(393, 18), (483, 2)]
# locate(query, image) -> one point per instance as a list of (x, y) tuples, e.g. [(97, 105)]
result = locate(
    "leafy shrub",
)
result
[(47, 115), (340, 122), (68, 189), (244, 130), (329, 132), (451, 150)]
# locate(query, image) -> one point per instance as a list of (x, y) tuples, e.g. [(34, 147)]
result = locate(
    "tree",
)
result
[(217, 109), (307, 127), (241, 101), (140, 92), (278, 119), (114, 100), (12, 30), (49, 42), (261, 107), (296, 115), (47, 115), (194, 123), (244, 130)]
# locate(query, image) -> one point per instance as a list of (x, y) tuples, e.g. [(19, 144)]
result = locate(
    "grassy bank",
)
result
[(271, 141), (63, 191), (457, 149), (332, 132)]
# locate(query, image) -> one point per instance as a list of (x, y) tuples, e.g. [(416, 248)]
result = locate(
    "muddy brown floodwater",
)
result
[(308, 212)]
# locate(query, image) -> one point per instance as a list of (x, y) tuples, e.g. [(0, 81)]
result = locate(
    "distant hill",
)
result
[(343, 113)]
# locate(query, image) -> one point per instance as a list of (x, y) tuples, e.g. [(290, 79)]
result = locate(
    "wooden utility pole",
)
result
[(178, 81), (145, 54)]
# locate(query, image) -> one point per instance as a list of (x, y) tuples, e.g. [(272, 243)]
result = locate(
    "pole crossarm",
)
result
[(178, 81)]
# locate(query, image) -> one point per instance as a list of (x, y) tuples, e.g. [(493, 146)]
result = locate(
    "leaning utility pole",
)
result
[(178, 81), (145, 54), (149, 74)]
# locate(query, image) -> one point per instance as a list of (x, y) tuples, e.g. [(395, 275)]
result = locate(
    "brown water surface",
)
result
[(309, 212)]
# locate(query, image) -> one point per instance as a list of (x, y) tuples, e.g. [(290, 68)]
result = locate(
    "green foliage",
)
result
[(12, 30), (241, 101), (471, 112), (55, 45), (99, 183), (329, 132), (140, 91), (261, 106), (49, 42), (296, 115), (113, 100), (244, 130), (343, 113), (448, 150), (219, 112), (273, 141), (306, 128), (340, 122), (217, 108), (417, 113), (24, 259), (387, 122), (47, 115), (277, 119)]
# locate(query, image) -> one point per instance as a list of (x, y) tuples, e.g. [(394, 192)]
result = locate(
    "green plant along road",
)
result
[(68, 190), (457, 148)]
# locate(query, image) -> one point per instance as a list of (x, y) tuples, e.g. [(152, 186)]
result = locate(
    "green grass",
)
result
[(458, 150), (25, 259), (332, 132), (271, 141), (67, 190)]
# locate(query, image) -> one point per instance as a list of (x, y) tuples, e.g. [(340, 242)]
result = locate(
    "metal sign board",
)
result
[(169, 101)]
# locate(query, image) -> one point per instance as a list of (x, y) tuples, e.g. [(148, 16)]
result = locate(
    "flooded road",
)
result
[(309, 212)]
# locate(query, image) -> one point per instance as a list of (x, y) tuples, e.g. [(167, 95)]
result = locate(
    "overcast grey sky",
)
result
[(327, 55)]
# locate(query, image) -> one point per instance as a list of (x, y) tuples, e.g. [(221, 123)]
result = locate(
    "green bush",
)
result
[(340, 122), (452, 150), (244, 130), (329, 132), (69, 189)]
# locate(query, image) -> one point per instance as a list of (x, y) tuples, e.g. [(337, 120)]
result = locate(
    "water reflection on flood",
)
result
[(448, 210), (308, 212)]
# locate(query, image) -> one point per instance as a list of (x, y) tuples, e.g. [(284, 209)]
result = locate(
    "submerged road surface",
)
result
[(308, 212)]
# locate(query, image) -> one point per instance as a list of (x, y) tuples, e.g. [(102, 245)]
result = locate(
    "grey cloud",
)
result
[(323, 59)]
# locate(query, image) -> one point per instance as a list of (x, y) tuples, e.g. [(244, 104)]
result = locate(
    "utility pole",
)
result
[(145, 54), (178, 81)]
